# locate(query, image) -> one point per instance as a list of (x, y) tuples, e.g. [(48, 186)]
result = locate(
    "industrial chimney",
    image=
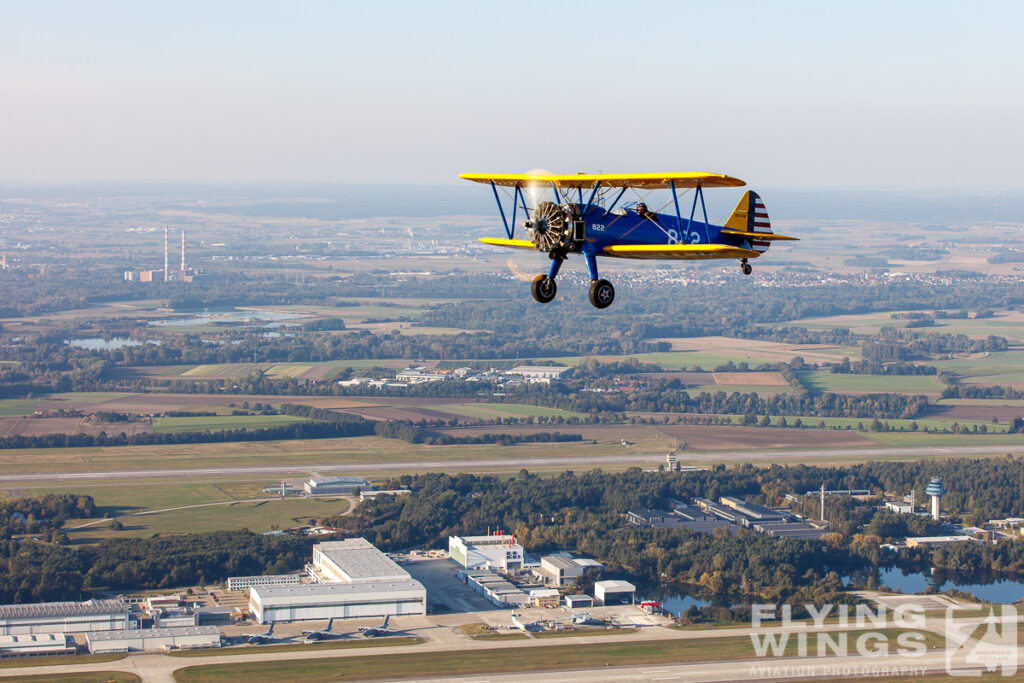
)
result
[(167, 264), (182, 251)]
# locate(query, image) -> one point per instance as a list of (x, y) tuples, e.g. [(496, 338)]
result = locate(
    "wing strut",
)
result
[(501, 210), (590, 201), (679, 217), (618, 197), (707, 233), (693, 209), (515, 196)]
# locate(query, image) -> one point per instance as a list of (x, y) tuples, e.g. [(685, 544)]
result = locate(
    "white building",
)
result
[(498, 551), (238, 583), (574, 601), (418, 376), (353, 579), (539, 373), (927, 541), (900, 507), (174, 618), (496, 588), (559, 570), (337, 600), (137, 640), (65, 617), (612, 592), (353, 560), (370, 495), (545, 597), (36, 645), (336, 485)]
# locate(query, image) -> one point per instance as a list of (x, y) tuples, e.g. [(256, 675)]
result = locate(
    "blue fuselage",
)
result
[(604, 228)]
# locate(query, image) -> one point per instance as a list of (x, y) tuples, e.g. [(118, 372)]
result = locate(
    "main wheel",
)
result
[(746, 268), (543, 289), (602, 294)]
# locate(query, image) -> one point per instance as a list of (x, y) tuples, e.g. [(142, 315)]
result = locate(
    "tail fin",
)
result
[(384, 626), (751, 216)]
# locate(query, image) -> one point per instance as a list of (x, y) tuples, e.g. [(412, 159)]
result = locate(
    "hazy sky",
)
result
[(898, 95)]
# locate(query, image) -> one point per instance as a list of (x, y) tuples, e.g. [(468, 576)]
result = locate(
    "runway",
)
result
[(504, 464)]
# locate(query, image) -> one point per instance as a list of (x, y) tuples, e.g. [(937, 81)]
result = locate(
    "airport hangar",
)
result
[(352, 579), (65, 617)]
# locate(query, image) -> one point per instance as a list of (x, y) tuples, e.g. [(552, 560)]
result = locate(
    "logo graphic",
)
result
[(988, 643)]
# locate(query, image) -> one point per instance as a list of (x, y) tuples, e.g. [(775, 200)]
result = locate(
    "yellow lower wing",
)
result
[(515, 244), (766, 236), (686, 252)]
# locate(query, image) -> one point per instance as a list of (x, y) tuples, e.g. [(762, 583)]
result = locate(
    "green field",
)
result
[(466, 663), (176, 425), (89, 396), (994, 362), (221, 508), (853, 422), (83, 677), (221, 369), (995, 378), (909, 439), (496, 410), (257, 517), (980, 402), (59, 660), (823, 380), (15, 406)]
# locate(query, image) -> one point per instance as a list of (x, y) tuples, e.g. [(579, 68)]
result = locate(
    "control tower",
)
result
[(936, 490)]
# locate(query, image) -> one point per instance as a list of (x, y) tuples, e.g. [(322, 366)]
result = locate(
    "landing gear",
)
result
[(746, 267), (543, 288), (602, 294)]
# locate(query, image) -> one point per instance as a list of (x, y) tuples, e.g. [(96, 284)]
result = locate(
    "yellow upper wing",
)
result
[(686, 252), (647, 181)]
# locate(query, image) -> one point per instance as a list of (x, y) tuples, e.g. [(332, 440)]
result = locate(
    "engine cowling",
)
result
[(550, 227)]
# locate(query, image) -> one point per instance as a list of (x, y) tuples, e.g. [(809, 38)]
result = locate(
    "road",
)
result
[(831, 455)]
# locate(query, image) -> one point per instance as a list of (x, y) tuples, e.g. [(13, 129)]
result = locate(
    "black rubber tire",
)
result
[(543, 289), (602, 294), (746, 268)]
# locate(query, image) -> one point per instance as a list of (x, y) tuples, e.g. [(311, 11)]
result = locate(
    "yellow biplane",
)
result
[(586, 218)]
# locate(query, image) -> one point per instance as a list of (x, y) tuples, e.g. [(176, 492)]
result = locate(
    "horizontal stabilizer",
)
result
[(515, 244), (767, 236), (683, 252)]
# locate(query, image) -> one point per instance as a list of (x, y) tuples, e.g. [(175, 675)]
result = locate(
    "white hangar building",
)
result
[(497, 551), (354, 559), (352, 579), (137, 640), (337, 600), (65, 617)]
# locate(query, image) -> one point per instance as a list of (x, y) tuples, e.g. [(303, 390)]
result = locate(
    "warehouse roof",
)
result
[(339, 480), (616, 586), (63, 609), (321, 593), (559, 561), (30, 639), (137, 633), (360, 561)]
